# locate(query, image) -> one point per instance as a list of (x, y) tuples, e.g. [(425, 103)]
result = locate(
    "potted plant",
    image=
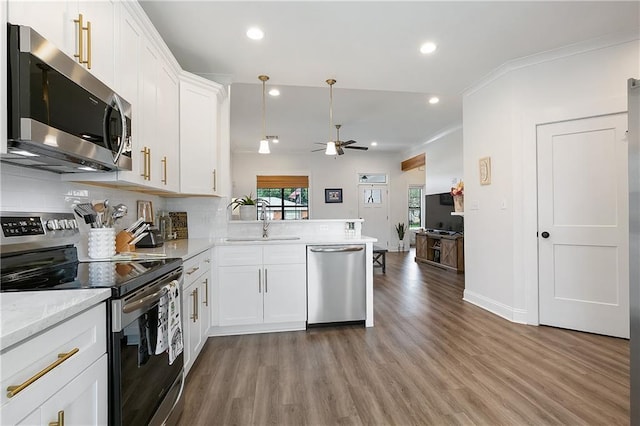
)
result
[(400, 229), (247, 206)]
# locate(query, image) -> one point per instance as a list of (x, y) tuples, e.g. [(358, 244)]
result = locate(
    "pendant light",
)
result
[(331, 145), (264, 142)]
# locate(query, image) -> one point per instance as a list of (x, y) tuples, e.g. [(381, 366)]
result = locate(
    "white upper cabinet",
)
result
[(82, 29), (168, 115), (128, 62), (200, 118)]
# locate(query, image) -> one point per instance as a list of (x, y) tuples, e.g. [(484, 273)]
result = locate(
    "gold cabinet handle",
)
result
[(192, 270), (215, 181), (60, 421), (88, 59), (194, 315), (14, 390), (80, 39), (206, 292), (148, 163), (145, 163), (164, 169)]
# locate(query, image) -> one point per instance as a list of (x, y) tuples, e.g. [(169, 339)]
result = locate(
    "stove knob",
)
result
[(64, 224), (52, 224), (73, 223)]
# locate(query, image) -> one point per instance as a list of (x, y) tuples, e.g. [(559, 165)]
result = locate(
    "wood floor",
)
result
[(431, 359)]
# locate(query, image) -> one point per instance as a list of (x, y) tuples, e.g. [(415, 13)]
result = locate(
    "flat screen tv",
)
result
[(437, 213)]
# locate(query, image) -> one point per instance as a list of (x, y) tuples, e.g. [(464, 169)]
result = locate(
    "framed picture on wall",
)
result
[(333, 195)]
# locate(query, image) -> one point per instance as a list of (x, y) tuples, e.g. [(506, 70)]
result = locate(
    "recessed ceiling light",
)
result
[(434, 100), (428, 47), (255, 33), (374, 143), (274, 92)]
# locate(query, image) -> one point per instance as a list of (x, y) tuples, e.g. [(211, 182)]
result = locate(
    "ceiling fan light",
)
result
[(331, 149), (264, 147)]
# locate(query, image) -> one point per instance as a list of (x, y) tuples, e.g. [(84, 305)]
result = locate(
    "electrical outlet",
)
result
[(475, 205)]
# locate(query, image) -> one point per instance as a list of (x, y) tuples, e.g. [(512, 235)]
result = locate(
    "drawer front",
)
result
[(87, 332), (285, 253), (195, 266), (239, 255)]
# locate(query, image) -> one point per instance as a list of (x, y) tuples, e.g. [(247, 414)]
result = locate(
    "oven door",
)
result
[(144, 384)]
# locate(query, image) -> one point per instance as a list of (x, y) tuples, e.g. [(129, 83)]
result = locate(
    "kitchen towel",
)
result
[(170, 323)]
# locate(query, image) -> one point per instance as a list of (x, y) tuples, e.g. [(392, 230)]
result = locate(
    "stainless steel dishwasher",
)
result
[(336, 284)]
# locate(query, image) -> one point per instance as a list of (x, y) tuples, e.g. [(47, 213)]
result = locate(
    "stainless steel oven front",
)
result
[(146, 388)]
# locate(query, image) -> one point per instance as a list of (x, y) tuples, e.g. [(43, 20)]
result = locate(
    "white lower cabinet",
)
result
[(262, 285), (196, 316), (71, 367)]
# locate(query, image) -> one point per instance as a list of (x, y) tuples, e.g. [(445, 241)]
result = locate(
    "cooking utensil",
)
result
[(85, 210), (118, 211)]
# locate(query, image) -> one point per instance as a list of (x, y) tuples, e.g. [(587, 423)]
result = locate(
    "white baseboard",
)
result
[(495, 307)]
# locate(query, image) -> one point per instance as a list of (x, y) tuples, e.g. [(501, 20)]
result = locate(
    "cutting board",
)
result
[(179, 224)]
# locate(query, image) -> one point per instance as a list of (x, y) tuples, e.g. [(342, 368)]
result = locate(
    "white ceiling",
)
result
[(372, 49)]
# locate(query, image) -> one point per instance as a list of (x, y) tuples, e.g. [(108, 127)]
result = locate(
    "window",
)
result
[(415, 207), (288, 196)]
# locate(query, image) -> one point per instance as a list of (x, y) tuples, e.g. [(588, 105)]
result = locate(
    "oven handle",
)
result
[(145, 301)]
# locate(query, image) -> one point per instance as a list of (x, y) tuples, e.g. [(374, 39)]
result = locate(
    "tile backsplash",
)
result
[(29, 190)]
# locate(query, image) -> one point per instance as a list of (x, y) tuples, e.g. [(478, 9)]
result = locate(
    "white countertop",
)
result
[(23, 314), (192, 246)]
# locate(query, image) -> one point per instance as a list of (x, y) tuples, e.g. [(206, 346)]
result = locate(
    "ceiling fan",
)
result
[(336, 146), (341, 144)]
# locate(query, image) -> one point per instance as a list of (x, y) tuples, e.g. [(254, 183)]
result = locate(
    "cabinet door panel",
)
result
[(84, 399), (101, 15), (51, 19), (193, 337), (198, 138), (448, 255), (240, 295), (285, 297), (168, 150)]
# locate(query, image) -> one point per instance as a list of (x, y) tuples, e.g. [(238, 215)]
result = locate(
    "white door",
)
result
[(373, 207), (583, 225)]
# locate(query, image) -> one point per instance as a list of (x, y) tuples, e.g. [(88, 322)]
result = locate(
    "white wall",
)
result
[(329, 172), (500, 118)]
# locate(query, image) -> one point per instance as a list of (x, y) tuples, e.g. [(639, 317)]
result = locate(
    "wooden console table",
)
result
[(442, 250)]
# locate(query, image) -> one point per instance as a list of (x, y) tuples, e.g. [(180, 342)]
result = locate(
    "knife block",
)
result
[(122, 242)]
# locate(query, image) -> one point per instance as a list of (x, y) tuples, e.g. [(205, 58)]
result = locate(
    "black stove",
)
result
[(37, 254)]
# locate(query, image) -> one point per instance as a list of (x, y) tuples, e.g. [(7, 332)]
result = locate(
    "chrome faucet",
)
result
[(265, 222)]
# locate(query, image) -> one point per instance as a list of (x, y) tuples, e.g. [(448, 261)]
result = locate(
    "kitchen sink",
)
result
[(249, 239)]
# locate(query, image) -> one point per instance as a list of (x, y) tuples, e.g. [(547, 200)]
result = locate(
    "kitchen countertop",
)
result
[(26, 313), (188, 248)]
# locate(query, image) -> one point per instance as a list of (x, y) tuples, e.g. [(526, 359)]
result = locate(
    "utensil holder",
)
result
[(122, 242), (102, 243)]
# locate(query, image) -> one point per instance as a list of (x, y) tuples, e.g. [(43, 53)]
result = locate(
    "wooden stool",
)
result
[(380, 258)]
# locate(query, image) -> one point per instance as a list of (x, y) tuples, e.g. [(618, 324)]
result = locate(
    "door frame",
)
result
[(525, 202)]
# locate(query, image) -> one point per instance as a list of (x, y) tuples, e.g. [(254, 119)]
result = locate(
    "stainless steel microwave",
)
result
[(60, 117)]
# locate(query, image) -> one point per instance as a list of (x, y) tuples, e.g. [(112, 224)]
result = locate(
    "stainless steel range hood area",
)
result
[(60, 117)]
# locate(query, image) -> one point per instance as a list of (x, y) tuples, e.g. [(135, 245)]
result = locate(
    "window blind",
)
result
[(282, 181)]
